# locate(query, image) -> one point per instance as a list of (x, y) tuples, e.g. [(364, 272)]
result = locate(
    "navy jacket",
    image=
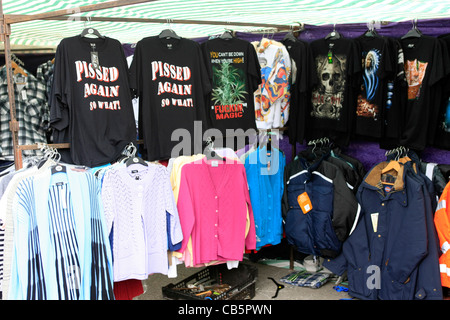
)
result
[(388, 254), (322, 230)]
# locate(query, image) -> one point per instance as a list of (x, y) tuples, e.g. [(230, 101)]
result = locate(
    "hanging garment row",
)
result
[(147, 220), (55, 241), (319, 204), (395, 238), (369, 87), (324, 218), (32, 109)]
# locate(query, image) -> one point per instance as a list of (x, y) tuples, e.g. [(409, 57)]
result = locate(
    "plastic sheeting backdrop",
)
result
[(283, 12)]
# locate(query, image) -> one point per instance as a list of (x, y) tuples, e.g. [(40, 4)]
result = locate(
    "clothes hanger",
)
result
[(209, 151), (130, 156), (56, 157), (168, 33), (135, 160), (293, 35), (17, 69), (290, 36), (89, 31), (414, 32), (371, 31), (333, 35), (48, 153), (227, 34), (16, 64), (394, 164)]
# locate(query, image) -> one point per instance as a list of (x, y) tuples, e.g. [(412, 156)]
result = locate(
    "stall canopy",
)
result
[(228, 14)]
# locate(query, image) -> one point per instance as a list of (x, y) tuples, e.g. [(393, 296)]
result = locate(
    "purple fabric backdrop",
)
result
[(369, 153), (431, 27)]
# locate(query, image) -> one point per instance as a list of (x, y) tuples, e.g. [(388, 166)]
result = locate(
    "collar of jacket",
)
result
[(398, 192)]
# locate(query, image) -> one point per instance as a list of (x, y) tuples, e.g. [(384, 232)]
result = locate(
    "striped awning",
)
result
[(229, 12)]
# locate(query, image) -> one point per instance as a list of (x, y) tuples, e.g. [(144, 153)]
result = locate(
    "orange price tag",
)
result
[(304, 202)]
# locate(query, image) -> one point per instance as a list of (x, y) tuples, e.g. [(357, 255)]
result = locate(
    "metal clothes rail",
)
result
[(5, 31)]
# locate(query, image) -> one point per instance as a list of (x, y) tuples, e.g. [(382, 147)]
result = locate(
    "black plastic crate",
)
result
[(241, 281)]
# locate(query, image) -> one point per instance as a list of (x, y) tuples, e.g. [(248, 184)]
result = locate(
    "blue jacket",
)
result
[(322, 230), (388, 254)]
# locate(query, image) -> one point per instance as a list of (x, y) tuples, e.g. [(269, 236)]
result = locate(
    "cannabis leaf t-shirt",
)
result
[(235, 77)]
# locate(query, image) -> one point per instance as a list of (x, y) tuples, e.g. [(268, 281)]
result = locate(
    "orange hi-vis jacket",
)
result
[(442, 223)]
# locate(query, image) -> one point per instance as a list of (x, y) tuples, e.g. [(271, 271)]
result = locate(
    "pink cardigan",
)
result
[(213, 206)]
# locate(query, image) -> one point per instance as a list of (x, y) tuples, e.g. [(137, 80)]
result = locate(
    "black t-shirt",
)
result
[(236, 74), (396, 94), (376, 70), (303, 77), (91, 107), (441, 135), (424, 68), (338, 66), (172, 82)]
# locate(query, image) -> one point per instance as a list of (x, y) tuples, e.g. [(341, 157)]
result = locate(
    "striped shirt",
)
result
[(61, 249)]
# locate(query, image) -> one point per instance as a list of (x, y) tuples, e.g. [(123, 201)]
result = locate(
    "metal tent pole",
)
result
[(5, 32)]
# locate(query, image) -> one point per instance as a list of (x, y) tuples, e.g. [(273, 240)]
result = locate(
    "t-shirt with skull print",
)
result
[(338, 66)]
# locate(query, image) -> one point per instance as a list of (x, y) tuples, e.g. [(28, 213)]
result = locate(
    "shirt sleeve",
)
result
[(250, 240), (59, 98), (134, 72), (438, 67), (174, 232), (107, 195), (345, 205), (254, 69), (185, 209), (19, 264)]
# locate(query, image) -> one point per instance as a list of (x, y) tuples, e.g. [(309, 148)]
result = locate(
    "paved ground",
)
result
[(265, 288)]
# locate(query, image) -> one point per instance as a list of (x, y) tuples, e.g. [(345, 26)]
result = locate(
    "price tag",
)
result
[(94, 57), (374, 218), (305, 202), (24, 95), (330, 57)]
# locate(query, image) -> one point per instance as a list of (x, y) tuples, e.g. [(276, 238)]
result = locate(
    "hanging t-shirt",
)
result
[(338, 65), (172, 82), (442, 130), (303, 77), (376, 68), (396, 94), (90, 106), (424, 68), (272, 98), (235, 77)]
